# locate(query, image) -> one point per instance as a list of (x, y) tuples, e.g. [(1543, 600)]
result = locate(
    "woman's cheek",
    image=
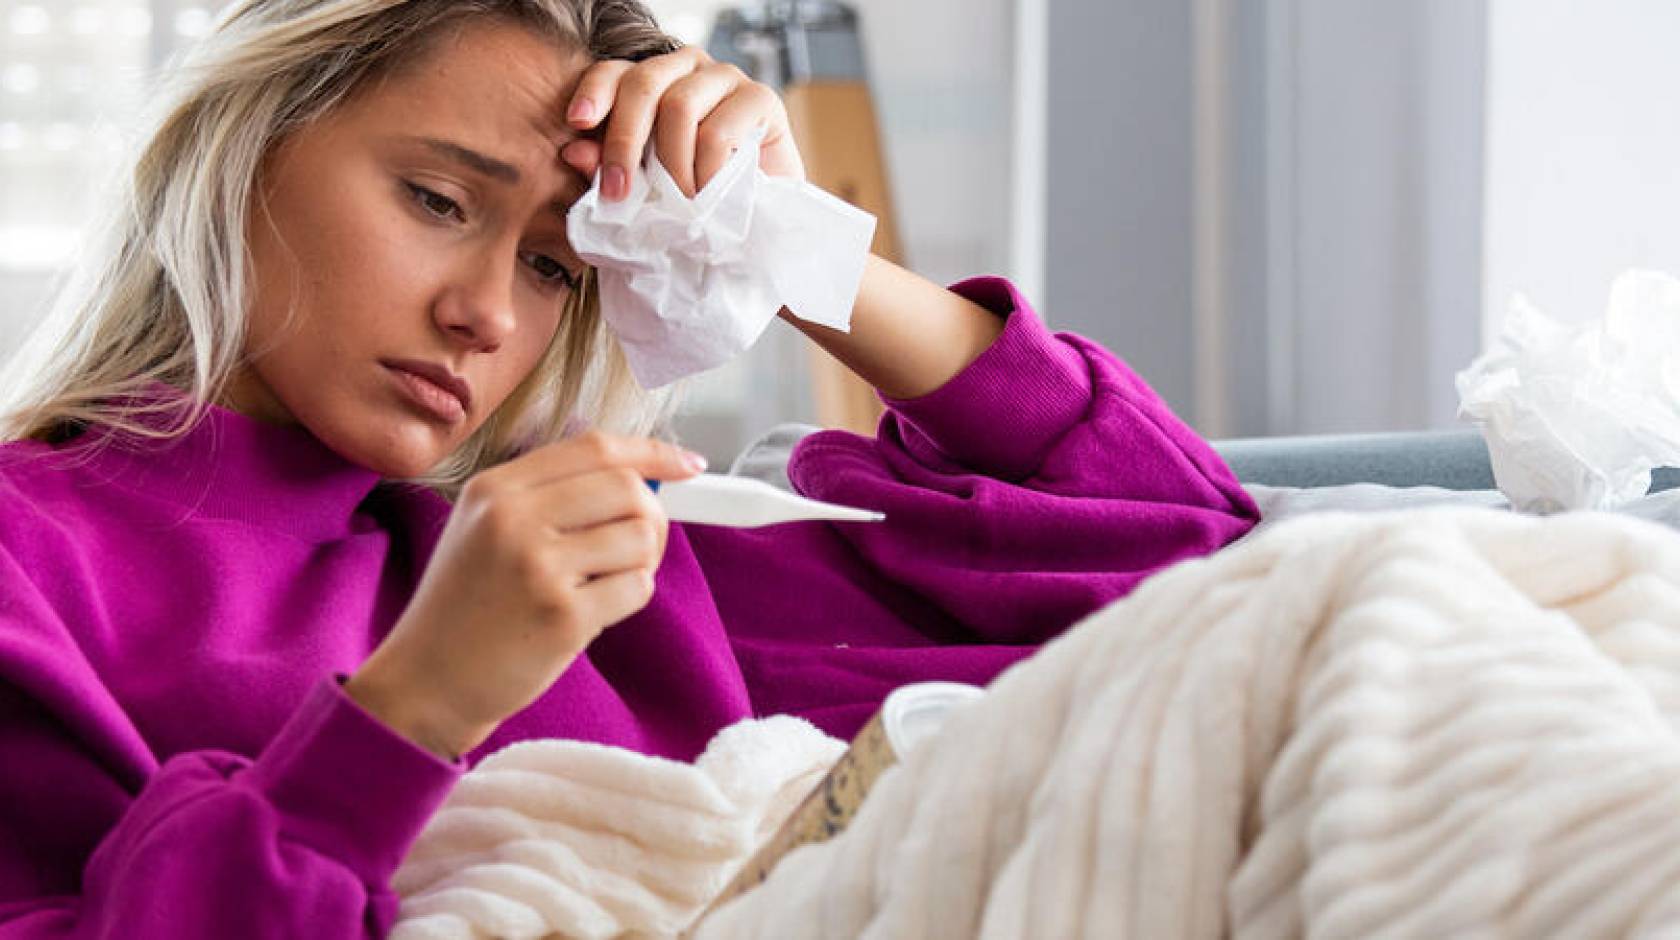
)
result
[(534, 342)]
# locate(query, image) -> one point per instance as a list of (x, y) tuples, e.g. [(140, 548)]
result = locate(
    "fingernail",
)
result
[(582, 109), (694, 461), (615, 182)]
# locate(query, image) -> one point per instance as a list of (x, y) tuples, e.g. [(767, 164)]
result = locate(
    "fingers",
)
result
[(588, 579), (725, 129), (688, 107), (594, 94), (612, 566), (592, 498), (591, 101), (614, 548), (629, 93), (593, 450), (696, 111), (582, 155), (633, 113), (615, 597)]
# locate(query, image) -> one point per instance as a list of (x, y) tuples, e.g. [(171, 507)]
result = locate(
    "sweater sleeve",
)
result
[(97, 840), (1039, 483)]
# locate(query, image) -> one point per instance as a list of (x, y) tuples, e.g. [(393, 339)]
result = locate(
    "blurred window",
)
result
[(73, 80), (72, 72)]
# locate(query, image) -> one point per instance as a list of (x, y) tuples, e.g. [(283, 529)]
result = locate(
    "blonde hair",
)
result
[(162, 297)]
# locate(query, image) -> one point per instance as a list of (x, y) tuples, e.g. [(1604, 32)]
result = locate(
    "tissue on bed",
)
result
[(688, 284), (1576, 417)]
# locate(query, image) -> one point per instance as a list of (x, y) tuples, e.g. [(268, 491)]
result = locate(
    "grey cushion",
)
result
[(767, 457)]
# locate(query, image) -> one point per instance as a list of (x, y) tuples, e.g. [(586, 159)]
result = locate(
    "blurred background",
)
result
[(1291, 216)]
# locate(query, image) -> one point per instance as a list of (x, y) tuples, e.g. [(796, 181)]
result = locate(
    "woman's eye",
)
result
[(435, 204), (551, 271)]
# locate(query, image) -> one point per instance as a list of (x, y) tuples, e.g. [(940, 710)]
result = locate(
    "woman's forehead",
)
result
[(489, 79)]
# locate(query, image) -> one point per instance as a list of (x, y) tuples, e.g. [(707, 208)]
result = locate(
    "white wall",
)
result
[(1376, 235), (1343, 158), (1118, 264), (1583, 150)]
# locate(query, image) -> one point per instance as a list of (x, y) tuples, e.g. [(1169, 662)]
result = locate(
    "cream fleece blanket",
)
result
[(1455, 722), (553, 837)]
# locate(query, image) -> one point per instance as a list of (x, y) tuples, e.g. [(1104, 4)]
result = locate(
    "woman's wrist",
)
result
[(909, 336), (381, 691)]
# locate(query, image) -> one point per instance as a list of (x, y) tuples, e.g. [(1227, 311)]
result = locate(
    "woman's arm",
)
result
[(300, 842), (909, 336), (98, 839)]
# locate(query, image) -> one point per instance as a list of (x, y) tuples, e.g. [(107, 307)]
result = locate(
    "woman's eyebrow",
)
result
[(483, 165), (471, 159)]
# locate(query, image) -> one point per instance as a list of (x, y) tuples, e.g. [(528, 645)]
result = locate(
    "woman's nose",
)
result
[(476, 308)]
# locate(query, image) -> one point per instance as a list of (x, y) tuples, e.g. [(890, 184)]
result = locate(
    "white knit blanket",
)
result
[(1454, 722)]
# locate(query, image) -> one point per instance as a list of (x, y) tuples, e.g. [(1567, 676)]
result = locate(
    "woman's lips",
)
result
[(428, 396)]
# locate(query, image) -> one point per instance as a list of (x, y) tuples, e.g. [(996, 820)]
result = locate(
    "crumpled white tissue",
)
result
[(1577, 416), (688, 284)]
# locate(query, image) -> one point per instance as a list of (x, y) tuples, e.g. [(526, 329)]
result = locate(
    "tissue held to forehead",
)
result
[(688, 284)]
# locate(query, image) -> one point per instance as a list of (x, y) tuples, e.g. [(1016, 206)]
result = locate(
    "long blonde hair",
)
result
[(162, 295)]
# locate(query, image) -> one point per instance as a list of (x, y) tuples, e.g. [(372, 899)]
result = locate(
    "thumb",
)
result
[(582, 155), (661, 460)]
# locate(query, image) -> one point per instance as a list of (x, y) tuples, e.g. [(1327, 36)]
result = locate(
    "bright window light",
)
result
[(87, 21), (62, 137), (37, 247), (691, 28), (76, 79), (30, 20), (136, 21), (193, 22), (72, 76), (21, 79)]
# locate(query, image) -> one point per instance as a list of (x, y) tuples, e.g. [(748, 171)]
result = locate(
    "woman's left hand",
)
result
[(908, 336), (697, 111)]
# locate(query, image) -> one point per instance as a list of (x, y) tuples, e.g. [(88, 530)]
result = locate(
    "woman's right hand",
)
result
[(540, 555)]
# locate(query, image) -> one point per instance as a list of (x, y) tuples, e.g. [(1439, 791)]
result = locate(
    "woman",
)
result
[(304, 517)]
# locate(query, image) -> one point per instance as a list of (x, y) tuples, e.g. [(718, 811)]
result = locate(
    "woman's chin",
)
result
[(400, 467), (397, 453)]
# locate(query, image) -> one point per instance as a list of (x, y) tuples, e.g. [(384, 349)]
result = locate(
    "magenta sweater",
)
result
[(177, 759)]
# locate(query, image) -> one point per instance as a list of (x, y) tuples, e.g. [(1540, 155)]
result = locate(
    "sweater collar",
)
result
[(234, 467)]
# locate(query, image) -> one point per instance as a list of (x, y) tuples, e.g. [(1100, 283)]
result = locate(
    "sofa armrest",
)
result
[(1453, 460)]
